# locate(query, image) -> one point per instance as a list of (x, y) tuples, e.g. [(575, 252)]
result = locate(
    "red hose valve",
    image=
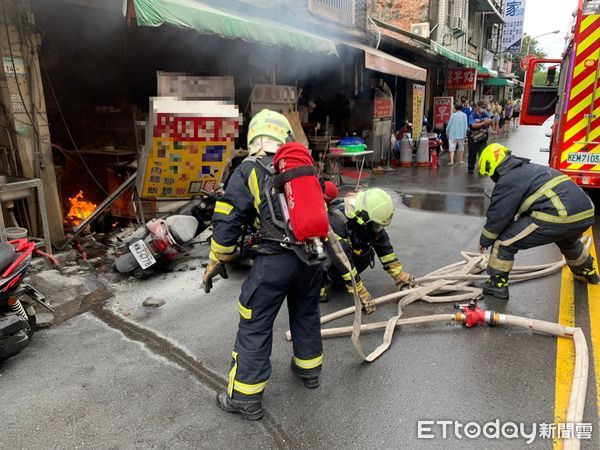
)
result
[(473, 315)]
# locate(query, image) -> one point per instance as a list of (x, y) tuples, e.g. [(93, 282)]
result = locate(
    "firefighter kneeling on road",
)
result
[(532, 205), (280, 269), (358, 224)]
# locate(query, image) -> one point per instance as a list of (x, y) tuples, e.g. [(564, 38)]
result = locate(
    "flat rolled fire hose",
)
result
[(456, 278)]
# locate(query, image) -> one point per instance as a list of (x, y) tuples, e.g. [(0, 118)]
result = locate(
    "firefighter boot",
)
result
[(250, 410), (323, 295), (588, 271), (496, 285), (309, 381)]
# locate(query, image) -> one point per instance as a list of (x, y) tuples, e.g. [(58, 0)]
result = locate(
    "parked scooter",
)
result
[(162, 240), (17, 314)]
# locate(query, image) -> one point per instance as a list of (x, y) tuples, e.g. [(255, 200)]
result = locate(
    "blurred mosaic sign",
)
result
[(188, 145)]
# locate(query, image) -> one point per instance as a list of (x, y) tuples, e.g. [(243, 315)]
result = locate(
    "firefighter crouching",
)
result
[(532, 205), (277, 272), (358, 224)]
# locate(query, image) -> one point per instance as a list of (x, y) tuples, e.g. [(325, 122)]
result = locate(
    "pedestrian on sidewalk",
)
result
[(466, 107), (508, 113), (479, 124), (457, 132), (516, 113), (496, 111)]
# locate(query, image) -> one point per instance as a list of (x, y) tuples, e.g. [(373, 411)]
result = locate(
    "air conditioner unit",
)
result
[(421, 29)]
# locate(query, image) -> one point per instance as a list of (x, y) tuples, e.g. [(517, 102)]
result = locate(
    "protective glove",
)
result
[(216, 266), (401, 278), (365, 297)]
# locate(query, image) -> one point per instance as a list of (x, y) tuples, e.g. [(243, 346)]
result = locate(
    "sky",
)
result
[(543, 16)]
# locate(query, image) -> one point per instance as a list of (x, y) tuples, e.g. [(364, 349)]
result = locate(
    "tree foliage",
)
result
[(517, 57)]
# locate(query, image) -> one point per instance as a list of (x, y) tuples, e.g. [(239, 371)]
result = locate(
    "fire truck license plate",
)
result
[(142, 254), (583, 158)]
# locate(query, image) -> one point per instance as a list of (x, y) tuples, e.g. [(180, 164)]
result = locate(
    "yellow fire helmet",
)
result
[(270, 123), (374, 205), (491, 157)]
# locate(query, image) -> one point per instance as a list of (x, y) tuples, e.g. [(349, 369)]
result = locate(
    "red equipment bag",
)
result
[(303, 192)]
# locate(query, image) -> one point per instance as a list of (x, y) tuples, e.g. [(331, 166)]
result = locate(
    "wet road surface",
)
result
[(130, 376)]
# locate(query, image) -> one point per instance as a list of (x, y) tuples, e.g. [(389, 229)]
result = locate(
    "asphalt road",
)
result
[(129, 376)]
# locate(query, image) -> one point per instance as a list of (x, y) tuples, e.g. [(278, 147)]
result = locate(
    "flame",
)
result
[(80, 209)]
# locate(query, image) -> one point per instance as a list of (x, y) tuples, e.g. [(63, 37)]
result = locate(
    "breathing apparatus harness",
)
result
[(279, 230)]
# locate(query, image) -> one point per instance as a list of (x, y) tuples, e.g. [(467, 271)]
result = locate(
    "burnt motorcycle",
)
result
[(17, 314)]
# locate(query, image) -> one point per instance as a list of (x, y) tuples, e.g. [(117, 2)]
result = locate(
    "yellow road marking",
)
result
[(594, 306), (565, 353)]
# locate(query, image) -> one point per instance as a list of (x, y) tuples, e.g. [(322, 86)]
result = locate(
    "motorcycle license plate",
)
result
[(142, 254)]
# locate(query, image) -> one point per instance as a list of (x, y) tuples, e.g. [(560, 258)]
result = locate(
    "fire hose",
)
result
[(454, 278)]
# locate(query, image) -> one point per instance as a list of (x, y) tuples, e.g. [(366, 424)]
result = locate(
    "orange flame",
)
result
[(80, 209)]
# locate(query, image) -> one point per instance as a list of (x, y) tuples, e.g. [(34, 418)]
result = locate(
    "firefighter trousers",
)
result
[(271, 280), (524, 233)]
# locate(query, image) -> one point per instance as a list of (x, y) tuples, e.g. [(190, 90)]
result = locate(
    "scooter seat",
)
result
[(7, 255), (182, 228)]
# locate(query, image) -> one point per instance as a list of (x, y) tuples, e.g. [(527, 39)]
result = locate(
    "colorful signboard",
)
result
[(188, 145), (512, 31), (418, 100), (442, 109), (461, 79)]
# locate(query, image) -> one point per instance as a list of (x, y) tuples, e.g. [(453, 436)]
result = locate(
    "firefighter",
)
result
[(358, 224), (532, 205), (276, 273)]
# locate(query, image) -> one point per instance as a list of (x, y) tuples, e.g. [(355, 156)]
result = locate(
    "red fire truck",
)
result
[(569, 89)]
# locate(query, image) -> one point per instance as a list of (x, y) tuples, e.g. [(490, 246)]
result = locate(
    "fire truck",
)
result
[(569, 89)]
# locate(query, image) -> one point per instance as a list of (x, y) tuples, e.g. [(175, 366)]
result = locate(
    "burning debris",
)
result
[(80, 209)]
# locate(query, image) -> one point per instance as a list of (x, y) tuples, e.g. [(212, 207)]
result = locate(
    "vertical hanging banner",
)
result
[(461, 79), (418, 96), (442, 109), (512, 34), (188, 145)]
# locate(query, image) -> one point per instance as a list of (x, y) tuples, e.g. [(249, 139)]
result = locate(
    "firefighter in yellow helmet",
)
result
[(532, 205), (359, 224)]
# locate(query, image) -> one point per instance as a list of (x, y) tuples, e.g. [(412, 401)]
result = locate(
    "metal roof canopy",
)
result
[(193, 14), (386, 63), (453, 56), (487, 6)]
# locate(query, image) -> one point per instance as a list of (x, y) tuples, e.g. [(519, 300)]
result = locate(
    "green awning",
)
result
[(497, 82), (205, 19), (485, 72), (453, 56)]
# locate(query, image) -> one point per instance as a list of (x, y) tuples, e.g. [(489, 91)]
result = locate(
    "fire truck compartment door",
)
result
[(539, 101)]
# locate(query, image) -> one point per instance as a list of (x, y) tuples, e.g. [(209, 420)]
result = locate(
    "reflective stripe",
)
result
[(560, 208), (522, 235), (308, 363), (581, 259), (542, 191), (348, 275), (494, 262), (218, 248), (488, 234), (223, 208), (568, 219), (232, 374), (388, 258), (254, 189), (246, 313), (242, 388)]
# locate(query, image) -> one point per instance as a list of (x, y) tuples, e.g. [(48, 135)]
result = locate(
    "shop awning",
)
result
[(497, 82), (205, 19), (493, 8), (385, 63), (453, 56), (485, 72)]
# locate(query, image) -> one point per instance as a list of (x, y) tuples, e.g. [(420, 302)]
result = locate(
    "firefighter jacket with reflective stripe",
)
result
[(242, 205), (546, 195), (359, 241)]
